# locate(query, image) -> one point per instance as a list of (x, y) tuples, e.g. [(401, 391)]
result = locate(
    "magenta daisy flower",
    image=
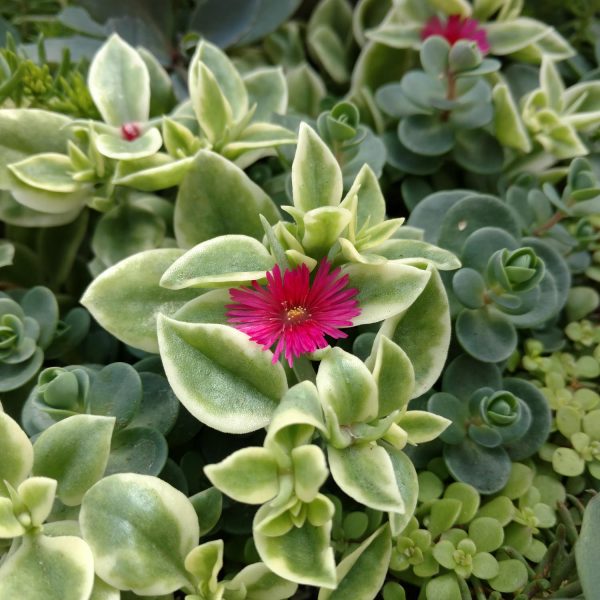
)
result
[(292, 313), (457, 28)]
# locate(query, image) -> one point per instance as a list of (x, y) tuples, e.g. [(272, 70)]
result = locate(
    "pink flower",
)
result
[(457, 28), (293, 312)]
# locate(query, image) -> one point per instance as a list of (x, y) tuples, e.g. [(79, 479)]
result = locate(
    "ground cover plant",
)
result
[(299, 301)]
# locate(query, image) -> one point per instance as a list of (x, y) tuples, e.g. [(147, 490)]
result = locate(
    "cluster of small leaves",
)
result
[(60, 88)]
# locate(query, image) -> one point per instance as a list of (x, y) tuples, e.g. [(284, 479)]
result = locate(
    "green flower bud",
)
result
[(517, 271), (500, 409), (464, 55), (63, 389), (340, 124)]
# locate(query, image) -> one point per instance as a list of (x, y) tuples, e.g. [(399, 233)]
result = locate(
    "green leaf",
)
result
[(427, 318), (506, 37), (46, 171), (296, 417), (228, 260), (267, 88), (418, 254), (587, 548), (408, 484), (445, 586), (53, 568), (255, 137), (397, 35), (125, 230), (119, 83), (486, 334), (452, 7), (486, 469), (161, 172), (323, 227), (115, 391), (118, 148), (224, 73), (361, 573), (310, 471), (302, 555), (371, 203), (38, 493), (205, 562), (262, 584), (47, 201), (137, 450), (159, 407), (365, 472), (140, 530), (210, 105), (465, 375), (384, 290), (29, 131), (127, 298), (394, 376), (422, 426), (316, 175), (487, 533), (347, 387), (224, 379), (208, 505), (75, 453), (426, 134), (16, 452), (249, 475), (512, 576), (216, 198), (478, 151)]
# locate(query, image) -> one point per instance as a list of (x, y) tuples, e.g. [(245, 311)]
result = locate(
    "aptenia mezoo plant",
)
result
[(340, 336)]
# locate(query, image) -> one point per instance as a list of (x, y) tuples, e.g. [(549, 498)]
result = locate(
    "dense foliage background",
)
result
[(437, 162)]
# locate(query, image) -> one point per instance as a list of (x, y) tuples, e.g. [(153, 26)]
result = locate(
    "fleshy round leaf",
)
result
[(137, 450), (53, 568), (140, 530), (486, 469), (486, 334), (224, 379), (512, 576), (75, 453)]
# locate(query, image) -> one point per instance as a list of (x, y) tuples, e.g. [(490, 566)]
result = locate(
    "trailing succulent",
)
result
[(343, 282)]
